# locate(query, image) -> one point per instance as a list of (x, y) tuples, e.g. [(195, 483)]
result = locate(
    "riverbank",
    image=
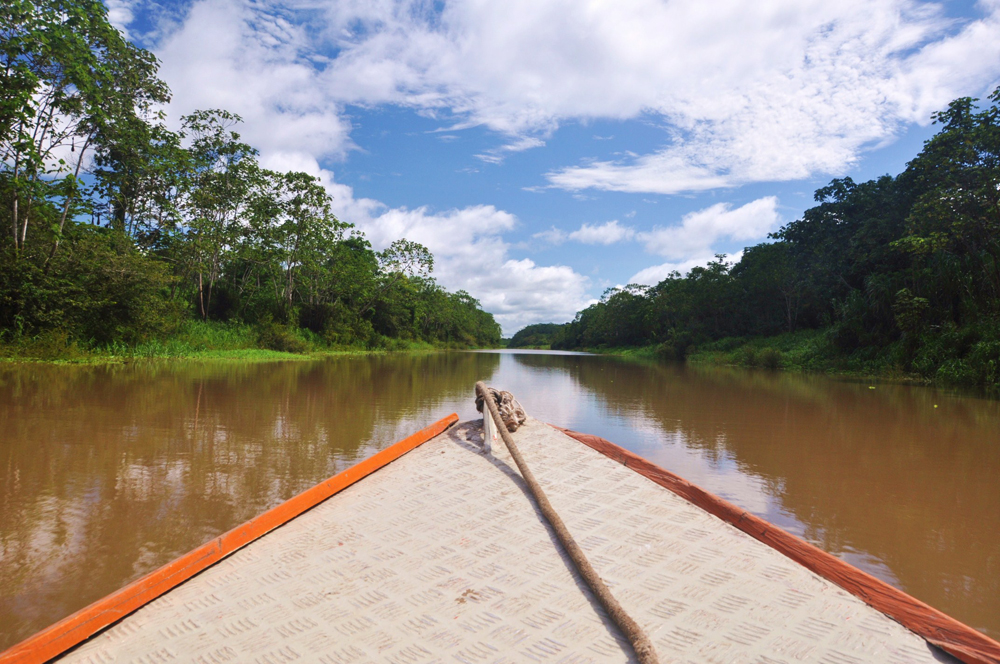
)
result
[(931, 360), (197, 340)]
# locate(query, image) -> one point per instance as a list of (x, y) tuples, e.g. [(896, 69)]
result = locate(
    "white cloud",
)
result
[(120, 14), (699, 230), (256, 63), (607, 233), (965, 64), (497, 155), (657, 273), (773, 90), (552, 236)]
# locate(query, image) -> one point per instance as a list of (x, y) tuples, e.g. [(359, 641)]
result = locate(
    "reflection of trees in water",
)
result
[(554, 361), (109, 472), (879, 471)]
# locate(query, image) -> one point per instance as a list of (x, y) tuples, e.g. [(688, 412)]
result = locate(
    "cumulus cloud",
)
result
[(253, 60), (257, 63), (699, 230), (607, 233), (763, 91), (772, 90)]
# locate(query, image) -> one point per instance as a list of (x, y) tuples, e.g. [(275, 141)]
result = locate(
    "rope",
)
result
[(633, 632)]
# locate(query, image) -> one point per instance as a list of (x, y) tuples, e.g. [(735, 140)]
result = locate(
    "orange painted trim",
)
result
[(962, 641), (63, 635)]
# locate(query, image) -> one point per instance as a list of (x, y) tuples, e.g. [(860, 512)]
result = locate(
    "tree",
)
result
[(224, 173), (770, 289), (70, 81), (400, 260), (957, 211), (303, 233)]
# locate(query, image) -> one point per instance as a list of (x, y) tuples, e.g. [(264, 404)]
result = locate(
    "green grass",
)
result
[(967, 358), (197, 340), (806, 351), (637, 352)]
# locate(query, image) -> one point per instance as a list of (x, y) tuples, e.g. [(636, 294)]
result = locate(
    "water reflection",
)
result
[(109, 472)]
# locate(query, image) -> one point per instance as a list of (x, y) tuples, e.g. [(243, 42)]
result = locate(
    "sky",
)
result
[(547, 150)]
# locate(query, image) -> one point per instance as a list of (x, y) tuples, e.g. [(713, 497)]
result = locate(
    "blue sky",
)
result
[(546, 150)]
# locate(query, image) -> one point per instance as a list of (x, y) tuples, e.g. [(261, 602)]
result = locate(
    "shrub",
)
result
[(275, 336), (771, 358), (748, 356), (50, 345), (667, 351)]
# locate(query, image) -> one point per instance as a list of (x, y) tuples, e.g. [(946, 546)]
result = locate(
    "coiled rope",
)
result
[(641, 644)]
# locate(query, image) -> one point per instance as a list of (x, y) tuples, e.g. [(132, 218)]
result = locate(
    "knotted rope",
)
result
[(511, 412), (633, 632)]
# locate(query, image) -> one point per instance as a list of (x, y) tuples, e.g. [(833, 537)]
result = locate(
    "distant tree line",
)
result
[(119, 229), (534, 336), (899, 271)]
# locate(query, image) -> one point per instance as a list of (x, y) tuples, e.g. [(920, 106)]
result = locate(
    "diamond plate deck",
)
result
[(442, 557)]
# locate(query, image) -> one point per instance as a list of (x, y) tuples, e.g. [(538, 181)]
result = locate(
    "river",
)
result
[(111, 471)]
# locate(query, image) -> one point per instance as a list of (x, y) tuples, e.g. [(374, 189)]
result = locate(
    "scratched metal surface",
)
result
[(441, 557)]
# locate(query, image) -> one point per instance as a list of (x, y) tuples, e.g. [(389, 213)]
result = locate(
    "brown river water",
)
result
[(110, 472)]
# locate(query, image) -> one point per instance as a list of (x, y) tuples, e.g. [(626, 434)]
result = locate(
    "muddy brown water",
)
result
[(109, 472)]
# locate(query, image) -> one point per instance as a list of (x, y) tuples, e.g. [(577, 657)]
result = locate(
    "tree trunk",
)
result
[(69, 200), (201, 298), (24, 226), (14, 218)]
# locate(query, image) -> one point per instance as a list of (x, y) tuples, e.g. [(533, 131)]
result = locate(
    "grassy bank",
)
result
[(803, 351), (198, 340), (951, 358)]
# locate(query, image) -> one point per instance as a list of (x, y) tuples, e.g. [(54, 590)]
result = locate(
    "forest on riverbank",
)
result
[(123, 233), (897, 276)]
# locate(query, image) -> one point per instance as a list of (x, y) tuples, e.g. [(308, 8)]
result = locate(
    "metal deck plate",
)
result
[(442, 557)]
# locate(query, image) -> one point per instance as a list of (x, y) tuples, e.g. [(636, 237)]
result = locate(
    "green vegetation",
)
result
[(534, 336), (194, 340), (121, 232), (897, 276)]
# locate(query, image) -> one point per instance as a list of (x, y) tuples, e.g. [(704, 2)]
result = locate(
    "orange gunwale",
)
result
[(940, 629), (78, 627)]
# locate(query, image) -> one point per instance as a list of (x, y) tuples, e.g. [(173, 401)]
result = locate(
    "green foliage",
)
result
[(103, 290), (275, 336), (749, 356), (539, 335), (168, 226), (770, 358)]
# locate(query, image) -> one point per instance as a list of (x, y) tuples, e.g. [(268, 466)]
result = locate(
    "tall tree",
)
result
[(224, 174)]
